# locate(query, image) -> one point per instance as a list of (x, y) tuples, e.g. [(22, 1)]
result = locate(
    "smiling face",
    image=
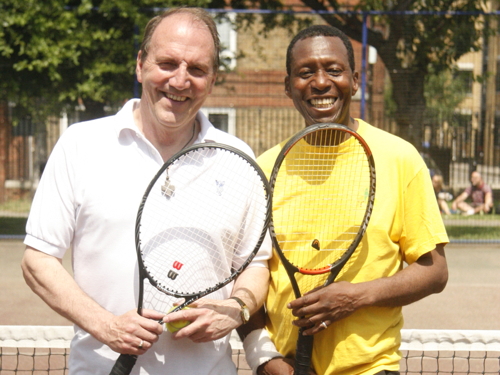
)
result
[(177, 74), (321, 82)]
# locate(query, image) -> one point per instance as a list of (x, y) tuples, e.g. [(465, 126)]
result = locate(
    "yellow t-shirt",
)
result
[(405, 224)]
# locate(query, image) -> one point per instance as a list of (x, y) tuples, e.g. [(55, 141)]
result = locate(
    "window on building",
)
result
[(221, 118)]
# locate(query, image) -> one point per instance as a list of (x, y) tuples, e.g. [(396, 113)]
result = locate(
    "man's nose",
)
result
[(180, 78)]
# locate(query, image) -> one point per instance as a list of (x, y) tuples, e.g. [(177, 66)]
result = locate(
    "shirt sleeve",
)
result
[(423, 224), (51, 221)]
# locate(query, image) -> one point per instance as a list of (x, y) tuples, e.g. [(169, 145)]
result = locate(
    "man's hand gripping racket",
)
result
[(323, 189), (200, 223)]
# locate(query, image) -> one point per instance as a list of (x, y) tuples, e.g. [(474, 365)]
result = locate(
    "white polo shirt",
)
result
[(87, 200)]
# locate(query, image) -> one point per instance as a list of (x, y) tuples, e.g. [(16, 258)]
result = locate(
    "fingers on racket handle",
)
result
[(124, 364), (303, 353)]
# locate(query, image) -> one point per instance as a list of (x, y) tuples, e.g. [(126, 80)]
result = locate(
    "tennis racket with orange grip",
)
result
[(323, 191)]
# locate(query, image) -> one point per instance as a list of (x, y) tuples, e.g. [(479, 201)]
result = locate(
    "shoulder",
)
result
[(381, 139), (389, 148), (101, 130), (267, 159), (231, 140), (487, 188), (81, 131)]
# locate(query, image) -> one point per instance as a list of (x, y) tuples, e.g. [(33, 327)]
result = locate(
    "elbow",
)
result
[(34, 265), (440, 280), (28, 271), (440, 269)]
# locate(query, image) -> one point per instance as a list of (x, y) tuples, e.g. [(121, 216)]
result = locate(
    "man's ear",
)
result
[(287, 87), (138, 67), (212, 84), (355, 83)]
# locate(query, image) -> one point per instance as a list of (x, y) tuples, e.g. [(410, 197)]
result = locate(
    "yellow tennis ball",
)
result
[(178, 324)]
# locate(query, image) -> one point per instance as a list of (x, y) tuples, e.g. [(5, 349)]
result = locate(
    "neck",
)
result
[(168, 141), (353, 124), (177, 142)]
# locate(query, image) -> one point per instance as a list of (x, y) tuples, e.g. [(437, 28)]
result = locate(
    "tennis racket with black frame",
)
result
[(200, 223), (323, 191)]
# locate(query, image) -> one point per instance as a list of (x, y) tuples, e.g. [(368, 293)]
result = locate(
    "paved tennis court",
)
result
[(470, 301)]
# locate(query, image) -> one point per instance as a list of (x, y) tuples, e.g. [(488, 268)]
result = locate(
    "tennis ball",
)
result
[(178, 324)]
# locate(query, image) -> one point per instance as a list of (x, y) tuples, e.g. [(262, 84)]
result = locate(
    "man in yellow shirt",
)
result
[(356, 320)]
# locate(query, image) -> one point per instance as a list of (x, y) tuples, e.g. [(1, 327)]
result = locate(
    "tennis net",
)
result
[(41, 350)]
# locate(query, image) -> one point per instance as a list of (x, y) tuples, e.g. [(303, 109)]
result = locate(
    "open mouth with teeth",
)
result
[(176, 98), (322, 102)]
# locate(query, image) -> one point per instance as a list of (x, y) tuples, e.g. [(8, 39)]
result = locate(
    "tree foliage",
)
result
[(444, 92)]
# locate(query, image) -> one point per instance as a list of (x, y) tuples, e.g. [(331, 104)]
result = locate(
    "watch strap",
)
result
[(243, 307)]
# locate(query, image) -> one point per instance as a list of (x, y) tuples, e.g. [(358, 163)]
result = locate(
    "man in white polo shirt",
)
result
[(87, 200)]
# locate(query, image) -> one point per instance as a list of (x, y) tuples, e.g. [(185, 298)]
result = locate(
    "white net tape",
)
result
[(424, 351), (451, 340)]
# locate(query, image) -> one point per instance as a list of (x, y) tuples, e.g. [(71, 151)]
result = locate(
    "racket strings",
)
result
[(320, 198), (195, 239)]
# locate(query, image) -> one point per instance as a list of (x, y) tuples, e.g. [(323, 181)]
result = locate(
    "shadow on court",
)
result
[(469, 301)]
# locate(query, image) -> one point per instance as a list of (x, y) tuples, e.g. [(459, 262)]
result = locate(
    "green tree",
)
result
[(443, 94)]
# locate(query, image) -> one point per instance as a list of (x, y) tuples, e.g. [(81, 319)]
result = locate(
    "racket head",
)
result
[(201, 221), (323, 185)]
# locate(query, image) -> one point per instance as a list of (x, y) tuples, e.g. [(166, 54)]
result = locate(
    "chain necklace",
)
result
[(168, 189), (192, 136)]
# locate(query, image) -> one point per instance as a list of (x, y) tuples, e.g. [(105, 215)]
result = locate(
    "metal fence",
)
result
[(459, 124)]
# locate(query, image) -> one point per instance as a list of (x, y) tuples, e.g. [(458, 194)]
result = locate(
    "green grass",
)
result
[(473, 228), (12, 225), (18, 205), (473, 233), (13, 216), (462, 228), (485, 217)]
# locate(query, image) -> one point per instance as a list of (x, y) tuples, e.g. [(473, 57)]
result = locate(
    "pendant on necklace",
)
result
[(168, 189)]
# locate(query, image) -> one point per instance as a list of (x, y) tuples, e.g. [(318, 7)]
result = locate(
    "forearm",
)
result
[(46, 276), (213, 319), (462, 197), (251, 287), (428, 275), (341, 299), (129, 333)]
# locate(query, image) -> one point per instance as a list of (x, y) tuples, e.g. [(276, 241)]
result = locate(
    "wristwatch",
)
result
[(245, 312)]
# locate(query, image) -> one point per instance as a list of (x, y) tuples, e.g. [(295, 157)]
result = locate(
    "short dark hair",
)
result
[(320, 30), (198, 14)]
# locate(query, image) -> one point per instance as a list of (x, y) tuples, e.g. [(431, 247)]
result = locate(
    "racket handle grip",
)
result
[(303, 353), (124, 364)]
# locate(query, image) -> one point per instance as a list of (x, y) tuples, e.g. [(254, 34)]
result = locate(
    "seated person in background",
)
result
[(480, 193), (443, 197)]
